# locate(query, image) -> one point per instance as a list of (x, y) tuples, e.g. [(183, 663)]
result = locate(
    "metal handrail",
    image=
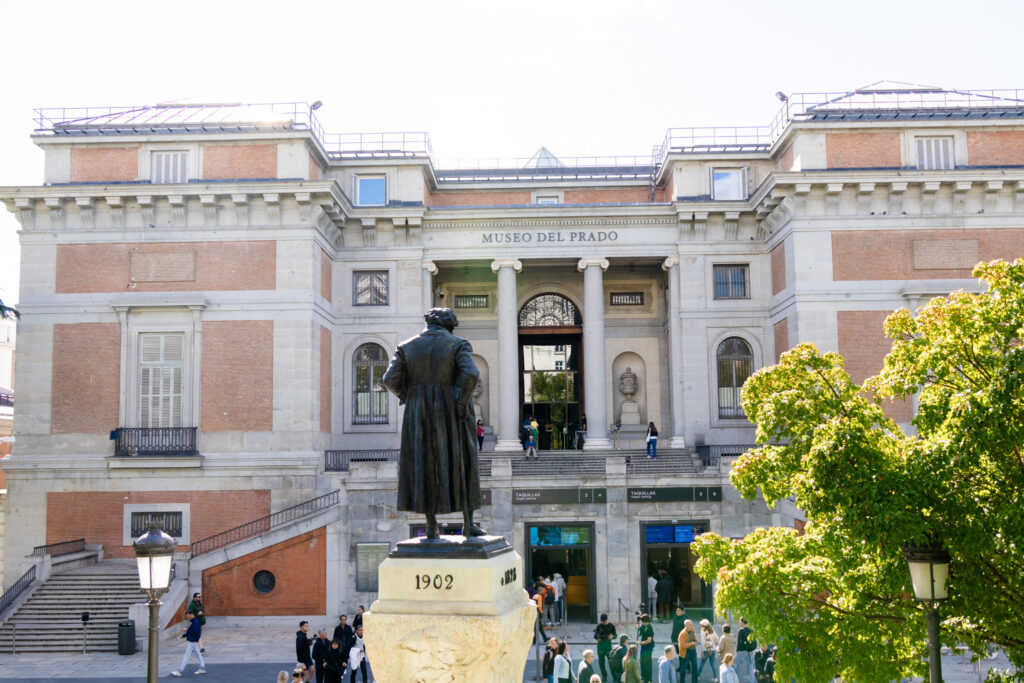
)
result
[(61, 548), (265, 524), (19, 587)]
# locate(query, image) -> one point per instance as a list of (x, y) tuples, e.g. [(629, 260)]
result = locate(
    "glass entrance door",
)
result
[(551, 388)]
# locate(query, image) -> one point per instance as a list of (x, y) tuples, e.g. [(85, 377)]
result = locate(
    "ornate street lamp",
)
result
[(154, 551), (929, 569)]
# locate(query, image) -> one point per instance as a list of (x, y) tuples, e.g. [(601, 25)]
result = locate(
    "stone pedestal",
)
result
[(450, 611), (630, 414)]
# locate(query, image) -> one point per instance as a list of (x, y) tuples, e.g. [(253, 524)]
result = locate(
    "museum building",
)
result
[(210, 295)]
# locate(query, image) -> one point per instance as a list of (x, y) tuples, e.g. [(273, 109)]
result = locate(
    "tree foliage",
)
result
[(838, 599)]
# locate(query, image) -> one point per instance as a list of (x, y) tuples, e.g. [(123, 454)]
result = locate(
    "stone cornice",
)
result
[(539, 223)]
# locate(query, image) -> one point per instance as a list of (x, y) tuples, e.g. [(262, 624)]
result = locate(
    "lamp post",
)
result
[(929, 569), (154, 551)]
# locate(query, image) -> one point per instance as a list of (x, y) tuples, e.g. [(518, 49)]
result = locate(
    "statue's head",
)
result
[(444, 317)]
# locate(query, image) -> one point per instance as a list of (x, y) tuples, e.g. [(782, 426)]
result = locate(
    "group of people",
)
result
[(549, 594), (330, 658)]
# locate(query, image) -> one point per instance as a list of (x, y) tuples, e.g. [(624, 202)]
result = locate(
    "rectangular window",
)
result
[(370, 288), (160, 377), (170, 522), (731, 282), (934, 153), (169, 167), (369, 557), (470, 301), (729, 183), (371, 190), (627, 298), (547, 199)]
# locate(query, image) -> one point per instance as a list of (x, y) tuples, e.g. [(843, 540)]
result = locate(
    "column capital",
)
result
[(430, 267), (670, 262), (592, 261), (500, 263)]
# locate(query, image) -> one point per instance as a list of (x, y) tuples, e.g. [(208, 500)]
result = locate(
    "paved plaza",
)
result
[(236, 654)]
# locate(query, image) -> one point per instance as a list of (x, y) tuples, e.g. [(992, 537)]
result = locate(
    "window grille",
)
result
[(731, 282), (370, 288), (470, 301), (734, 363), (549, 310), (369, 397), (627, 298), (160, 377), (170, 522), (935, 153), (169, 167)]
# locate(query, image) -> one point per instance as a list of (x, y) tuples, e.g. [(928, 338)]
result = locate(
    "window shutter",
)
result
[(169, 167), (935, 153), (160, 379)]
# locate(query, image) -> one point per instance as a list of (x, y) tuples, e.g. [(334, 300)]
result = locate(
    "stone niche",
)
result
[(635, 405), (481, 395)]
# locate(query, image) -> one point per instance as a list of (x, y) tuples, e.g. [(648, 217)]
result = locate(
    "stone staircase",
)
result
[(51, 616)]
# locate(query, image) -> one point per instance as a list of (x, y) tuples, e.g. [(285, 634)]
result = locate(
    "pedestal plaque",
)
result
[(450, 610)]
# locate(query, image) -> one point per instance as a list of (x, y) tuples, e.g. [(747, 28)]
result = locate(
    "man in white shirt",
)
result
[(652, 595)]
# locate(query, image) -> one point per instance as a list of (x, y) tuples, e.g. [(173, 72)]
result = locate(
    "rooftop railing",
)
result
[(560, 168)]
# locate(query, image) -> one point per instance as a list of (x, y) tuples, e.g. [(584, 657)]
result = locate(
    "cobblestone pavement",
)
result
[(236, 654)]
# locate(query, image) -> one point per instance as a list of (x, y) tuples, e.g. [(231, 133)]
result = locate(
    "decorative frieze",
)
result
[(146, 208), (55, 207), (85, 211), (992, 189), (960, 190)]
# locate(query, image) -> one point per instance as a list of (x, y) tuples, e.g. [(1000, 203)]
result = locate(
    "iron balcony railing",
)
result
[(62, 548), (265, 524), (339, 461), (19, 587), (710, 456), (155, 441)]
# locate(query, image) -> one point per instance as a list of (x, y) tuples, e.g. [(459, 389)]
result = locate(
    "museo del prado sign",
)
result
[(545, 236)]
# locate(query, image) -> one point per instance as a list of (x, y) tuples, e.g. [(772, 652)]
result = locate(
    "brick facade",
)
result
[(863, 150), (627, 195), (86, 378), (219, 266), (780, 331), (786, 160), (777, 258), (314, 169), (495, 198), (238, 376), (98, 516), (995, 148), (326, 280), (225, 162), (863, 345), (104, 164), (326, 375), (920, 254), (299, 566)]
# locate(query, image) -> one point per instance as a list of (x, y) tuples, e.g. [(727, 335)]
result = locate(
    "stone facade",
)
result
[(256, 310)]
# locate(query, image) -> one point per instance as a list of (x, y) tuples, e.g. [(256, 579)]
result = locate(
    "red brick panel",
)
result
[(496, 198), (325, 275), (889, 254), (781, 330), (104, 164), (220, 266), (86, 378), (227, 162), (314, 169), (863, 344), (325, 380), (238, 376), (299, 566), (786, 160), (98, 516), (995, 148), (630, 195), (862, 150), (778, 264)]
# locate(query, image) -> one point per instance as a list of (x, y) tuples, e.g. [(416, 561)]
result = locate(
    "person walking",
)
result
[(558, 583), (645, 638), (563, 668), (586, 668), (480, 434), (727, 674), (688, 651), (321, 648), (652, 441), (618, 654), (709, 647), (550, 602), (357, 656), (604, 634), (538, 598), (631, 667), (197, 608), (302, 642), (678, 623), (548, 663), (191, 636), (668, 666), (745, 646), (335, 664)]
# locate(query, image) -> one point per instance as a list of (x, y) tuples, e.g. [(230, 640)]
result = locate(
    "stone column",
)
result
[(595, 384), (508, 355), (675, 354), (429, 271)]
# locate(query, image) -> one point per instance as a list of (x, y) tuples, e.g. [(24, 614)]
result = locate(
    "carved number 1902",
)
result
[(438, 582)]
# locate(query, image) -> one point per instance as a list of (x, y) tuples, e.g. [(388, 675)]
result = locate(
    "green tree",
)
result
[(838, 599)]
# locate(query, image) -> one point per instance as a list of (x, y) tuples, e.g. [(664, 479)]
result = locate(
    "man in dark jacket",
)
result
[(434, 375), (616, 656), (191, 636), (197, 608), (665, 591), (604, 634), (345, 635), (586, 670), (548, 663), (764, 664), (745, 646), (321, 650), (302, 643)]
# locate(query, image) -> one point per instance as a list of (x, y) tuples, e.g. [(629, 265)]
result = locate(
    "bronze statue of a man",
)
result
[(433, 374)]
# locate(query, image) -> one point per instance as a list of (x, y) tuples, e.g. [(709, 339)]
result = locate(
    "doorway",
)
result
[(566, 549), (665, 549)]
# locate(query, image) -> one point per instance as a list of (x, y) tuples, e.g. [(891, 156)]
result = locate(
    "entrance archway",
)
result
[(551, 369)]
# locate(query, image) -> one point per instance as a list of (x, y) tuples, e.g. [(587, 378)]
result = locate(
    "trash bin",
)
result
[(126, 637)]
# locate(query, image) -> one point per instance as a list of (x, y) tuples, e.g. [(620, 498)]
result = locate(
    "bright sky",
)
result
[(485, 78)]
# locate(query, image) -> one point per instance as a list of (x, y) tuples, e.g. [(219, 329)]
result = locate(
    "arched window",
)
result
[(549, 310), (369, 397), (734, 363)]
